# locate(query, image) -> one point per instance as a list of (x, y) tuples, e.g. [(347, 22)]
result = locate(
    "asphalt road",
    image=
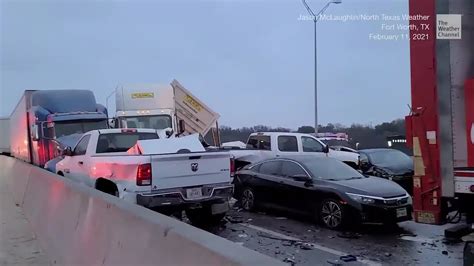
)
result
[(299, 241)]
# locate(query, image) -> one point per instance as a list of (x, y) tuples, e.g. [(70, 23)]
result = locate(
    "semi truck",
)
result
[(45, 120), (440, 126), (4, 135), (161, 107)]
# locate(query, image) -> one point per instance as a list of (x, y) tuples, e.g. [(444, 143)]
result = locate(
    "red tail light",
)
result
[(144, 175), (232, 167)]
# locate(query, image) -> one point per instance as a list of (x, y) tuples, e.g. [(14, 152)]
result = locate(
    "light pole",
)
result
[(316, 18)]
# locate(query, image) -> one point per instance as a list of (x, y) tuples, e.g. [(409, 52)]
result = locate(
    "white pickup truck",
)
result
[(265, 145), (164, 174)]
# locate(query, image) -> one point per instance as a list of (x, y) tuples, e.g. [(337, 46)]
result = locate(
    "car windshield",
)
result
[(331, 169), (121, 142), (148, 121), (389, 157), (62, 129)]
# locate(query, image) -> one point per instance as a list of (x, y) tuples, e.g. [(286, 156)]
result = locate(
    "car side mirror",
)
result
[(326, 149), (112, 122), (300, 178), (169, 133), (67, 152), (181, 127), (35, 132)]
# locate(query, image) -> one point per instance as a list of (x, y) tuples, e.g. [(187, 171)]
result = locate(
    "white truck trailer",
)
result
[(161, 107), (4, 135)]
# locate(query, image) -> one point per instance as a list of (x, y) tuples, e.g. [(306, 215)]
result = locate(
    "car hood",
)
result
[(371, 186), (398, 169)]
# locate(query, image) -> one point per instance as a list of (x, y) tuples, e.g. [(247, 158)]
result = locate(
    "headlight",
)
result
[(361, 198), (410, 200)]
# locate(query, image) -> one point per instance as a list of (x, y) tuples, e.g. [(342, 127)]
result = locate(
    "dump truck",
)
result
[(162, 106)]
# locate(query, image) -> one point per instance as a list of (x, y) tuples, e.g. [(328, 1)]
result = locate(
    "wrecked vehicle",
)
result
[(390, 164), (266, 145), (324, 188), (163, 174)]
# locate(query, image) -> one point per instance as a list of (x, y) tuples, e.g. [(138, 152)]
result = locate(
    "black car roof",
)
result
[(377, 149), (299, 159)]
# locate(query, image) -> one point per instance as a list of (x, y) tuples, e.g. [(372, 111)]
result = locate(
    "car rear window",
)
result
[(259, 142), (121, 142)]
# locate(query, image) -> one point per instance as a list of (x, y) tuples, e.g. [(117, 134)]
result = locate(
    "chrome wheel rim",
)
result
[(247, 199), (331, 214)]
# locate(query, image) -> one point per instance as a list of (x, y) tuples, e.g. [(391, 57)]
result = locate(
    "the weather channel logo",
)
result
[(448, 26)]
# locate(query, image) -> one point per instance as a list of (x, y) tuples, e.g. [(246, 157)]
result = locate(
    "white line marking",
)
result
[(326, 249)]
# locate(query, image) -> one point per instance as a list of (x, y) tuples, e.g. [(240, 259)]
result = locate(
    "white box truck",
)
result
[(162, 106), (5, 135)]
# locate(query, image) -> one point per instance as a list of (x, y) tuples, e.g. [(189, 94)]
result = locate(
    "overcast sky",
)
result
[(251, 61)]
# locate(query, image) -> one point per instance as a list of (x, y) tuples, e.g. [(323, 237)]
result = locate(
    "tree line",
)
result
[(367, 136)]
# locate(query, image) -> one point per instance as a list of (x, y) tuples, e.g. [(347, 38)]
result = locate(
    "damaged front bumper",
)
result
[(181, 198)]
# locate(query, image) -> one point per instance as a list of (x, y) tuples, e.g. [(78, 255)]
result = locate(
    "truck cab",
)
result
[(145, 107), (44, 121), (168, 106)]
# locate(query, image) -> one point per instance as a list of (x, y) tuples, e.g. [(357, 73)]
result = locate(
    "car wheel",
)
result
[(247, 199), (331, 214)]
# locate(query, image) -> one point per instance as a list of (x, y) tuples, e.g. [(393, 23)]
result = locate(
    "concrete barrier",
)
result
[(77, 225)]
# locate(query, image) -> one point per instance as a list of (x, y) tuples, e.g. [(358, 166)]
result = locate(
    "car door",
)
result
[(76, 168), (294, 192), (311, 146), (267, 181)]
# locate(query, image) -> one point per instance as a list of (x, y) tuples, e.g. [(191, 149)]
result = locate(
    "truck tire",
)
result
[(204, 217)]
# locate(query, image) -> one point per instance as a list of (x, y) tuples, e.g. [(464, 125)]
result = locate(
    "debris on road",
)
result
[(348, 258), (445, 252), (335, 262), (408, 234), (281, 218), (306, 246), (349, 235), (234, 219), (243, 235), (290, 260), (388, 254), (468, 238)]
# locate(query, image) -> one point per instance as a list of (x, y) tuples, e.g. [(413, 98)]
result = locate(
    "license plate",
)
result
[(402, 212), (194, 193)]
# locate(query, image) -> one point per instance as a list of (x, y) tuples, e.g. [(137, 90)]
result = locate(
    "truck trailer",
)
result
[(5, 135), (45, 120), (162, 106), (440, 127)]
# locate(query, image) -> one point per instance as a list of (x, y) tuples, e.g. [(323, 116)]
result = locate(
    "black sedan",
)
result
[(390, 164), (325, 188)]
